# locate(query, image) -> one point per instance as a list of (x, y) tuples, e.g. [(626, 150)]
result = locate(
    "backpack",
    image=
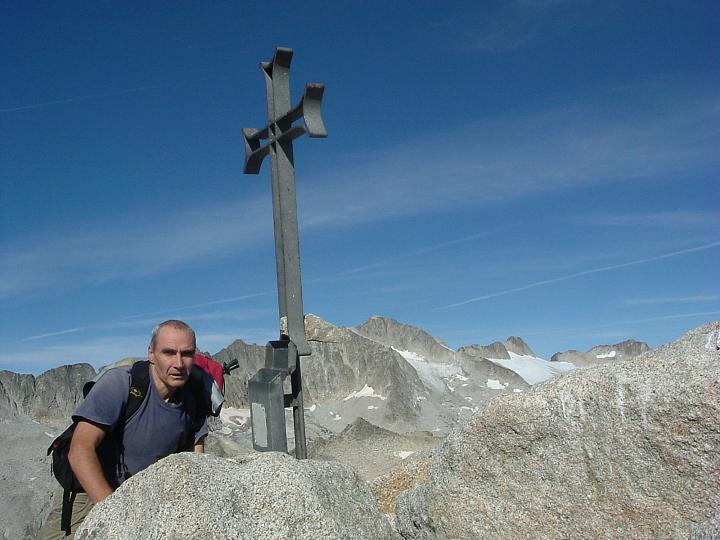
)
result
[(206, 383)]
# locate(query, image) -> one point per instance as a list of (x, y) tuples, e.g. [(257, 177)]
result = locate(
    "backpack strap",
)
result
[(196, 407), (139, 385), (67, 504)]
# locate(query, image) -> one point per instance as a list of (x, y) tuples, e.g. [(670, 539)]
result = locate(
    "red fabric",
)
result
[(213, 368)]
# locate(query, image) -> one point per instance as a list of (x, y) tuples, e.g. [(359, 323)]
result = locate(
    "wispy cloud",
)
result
[(595, 328), (584, 273), (499, 160), (668, 219), (81, 98), (133, 248), (149, 319), (427, 249), (510, 26), (510, 157), (673, 299), (97, 352)]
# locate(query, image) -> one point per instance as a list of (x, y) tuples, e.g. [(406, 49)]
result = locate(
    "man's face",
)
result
[(172, 358)]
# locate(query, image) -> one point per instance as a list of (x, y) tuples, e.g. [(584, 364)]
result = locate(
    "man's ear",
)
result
[(150, 355)]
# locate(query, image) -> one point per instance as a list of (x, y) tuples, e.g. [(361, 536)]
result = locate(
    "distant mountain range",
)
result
[(404, 377)]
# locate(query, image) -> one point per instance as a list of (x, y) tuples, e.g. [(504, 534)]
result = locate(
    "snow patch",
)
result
[(311, 408), (494, 384), (367, 391), (713, 341), (403, 454), (410, 355), (610, 354), (50, 435), (234, 416), (517, 390), (531, 368), (372, 407), (430, 373)]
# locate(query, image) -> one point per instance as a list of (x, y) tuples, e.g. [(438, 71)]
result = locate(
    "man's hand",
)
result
[(84, 460), (199, 447)]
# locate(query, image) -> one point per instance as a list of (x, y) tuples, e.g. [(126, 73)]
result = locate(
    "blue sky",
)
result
[(541, 169)]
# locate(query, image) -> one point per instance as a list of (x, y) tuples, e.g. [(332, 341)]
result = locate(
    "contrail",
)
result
[(193, 306), (129, 317), (81, 98), (583, 273), (51, 334)]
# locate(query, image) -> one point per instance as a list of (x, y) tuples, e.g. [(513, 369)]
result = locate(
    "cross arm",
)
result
[(309, 109)]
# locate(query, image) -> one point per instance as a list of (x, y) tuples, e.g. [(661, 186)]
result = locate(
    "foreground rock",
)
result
[(272, 496), (412, 472), (626, 450)]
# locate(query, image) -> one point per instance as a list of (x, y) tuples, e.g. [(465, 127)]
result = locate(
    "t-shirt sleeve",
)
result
[(106, 401), (202, 432)]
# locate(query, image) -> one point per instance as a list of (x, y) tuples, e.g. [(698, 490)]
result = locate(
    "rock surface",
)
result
[(412, 472), (271, 496), (371, 450), (343, 363), (392, 333), (51, 396), (624, 450), (494, 350), (603, 354), (27, 486), (251, 358), (518, 346)]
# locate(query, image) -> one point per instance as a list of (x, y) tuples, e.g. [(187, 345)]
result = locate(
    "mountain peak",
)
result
[(516, 345), (392, 333)]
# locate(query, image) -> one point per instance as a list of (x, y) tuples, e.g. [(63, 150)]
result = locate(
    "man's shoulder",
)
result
[(107, 397), (113, 376)]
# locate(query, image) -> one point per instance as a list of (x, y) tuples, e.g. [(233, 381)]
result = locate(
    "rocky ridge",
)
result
[(50, 397), (603, 354), (405, 337)]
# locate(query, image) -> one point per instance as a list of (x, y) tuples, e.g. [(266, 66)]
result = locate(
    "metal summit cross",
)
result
[(268, 399)]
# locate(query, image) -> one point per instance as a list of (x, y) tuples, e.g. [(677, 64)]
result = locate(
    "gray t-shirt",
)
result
[(156, 430)]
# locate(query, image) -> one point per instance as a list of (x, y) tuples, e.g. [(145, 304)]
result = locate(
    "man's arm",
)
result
[(199, 447), (84, 460)]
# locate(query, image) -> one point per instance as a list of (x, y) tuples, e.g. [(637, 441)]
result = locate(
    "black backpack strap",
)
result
[(67, 504), (194, 403), (139, 386)]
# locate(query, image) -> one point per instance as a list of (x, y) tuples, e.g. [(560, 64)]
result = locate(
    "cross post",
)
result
[(280, 133)]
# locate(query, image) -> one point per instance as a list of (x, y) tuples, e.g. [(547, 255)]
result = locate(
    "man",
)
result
[(161, 426)]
